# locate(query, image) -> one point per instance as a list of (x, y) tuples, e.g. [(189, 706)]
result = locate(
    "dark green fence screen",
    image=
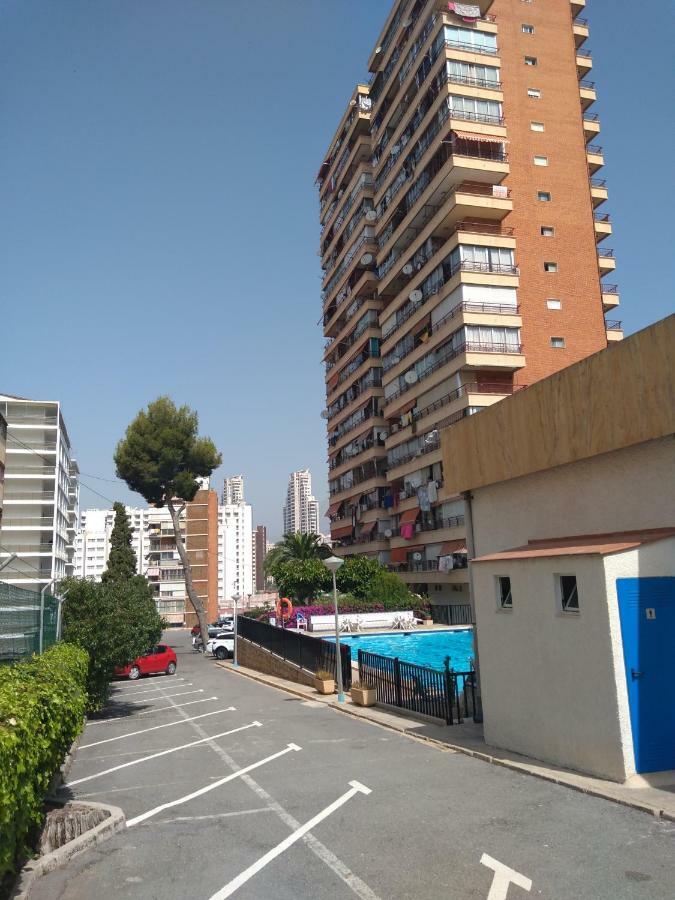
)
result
[(20, 622)]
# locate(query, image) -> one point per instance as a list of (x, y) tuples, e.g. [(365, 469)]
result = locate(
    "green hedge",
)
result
[(42, 703)]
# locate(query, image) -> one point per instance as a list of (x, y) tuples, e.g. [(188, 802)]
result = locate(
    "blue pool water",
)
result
[(424, 648)]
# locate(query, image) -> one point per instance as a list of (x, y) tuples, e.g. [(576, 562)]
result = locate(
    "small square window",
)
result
[(537, 126), (534, 93), (544, 196), (527, 29), (569, 593), (541, 160), (504, 595), (547, 230), (554, 304), (530, 60), (558, 343), (550, 267)]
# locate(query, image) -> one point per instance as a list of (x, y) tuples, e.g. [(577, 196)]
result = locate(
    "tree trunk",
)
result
[(189, 586)]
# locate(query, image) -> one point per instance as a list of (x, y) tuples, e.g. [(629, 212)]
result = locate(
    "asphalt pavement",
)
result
[(233, 788)]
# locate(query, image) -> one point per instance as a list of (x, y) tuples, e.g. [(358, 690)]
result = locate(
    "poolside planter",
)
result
[(325, 686), (363, 696)]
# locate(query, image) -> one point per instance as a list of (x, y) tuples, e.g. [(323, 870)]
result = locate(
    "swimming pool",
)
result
[(424, 648)]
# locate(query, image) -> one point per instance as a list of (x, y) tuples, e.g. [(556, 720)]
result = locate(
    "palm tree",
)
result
[(296, 546)]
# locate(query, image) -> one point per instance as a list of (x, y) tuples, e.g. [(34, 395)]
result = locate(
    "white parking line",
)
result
[(210, 787), (227, 815), (148, 690), (247, 874), (120, 737), (163, 697), (135, 762), (149, 712), (503, 877)]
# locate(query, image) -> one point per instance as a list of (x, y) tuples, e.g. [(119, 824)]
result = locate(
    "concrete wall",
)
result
[(651, 560), (254, 657), (628, 489), (548, 678)]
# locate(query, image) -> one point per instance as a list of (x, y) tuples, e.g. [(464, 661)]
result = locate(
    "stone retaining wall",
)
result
[(254, 657)]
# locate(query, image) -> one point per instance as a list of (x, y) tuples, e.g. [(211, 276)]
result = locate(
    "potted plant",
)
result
[(362, 695), (324, 682)]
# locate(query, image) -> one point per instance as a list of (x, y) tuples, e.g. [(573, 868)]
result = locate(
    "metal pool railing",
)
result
[(446, 694)]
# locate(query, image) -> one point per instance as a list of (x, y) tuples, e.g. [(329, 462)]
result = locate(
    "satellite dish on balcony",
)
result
[(340, 193), (366, 259), (378, 50), (371, 215), (395, 150), (324, 413), (408, 269), (406, 23), (410, 376), (388, 532), (382, 435), (416, 296), (417, 557), (352, 102)]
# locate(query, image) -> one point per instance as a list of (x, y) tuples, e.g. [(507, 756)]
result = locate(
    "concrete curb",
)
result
[(522, 768), (116, 821)]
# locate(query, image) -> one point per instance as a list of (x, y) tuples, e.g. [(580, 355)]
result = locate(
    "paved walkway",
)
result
[(656, 798)]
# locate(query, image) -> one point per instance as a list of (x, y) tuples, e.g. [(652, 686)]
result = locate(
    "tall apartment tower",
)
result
[(233, 489), (259, 554), (235, 552), (462, 255), (41, 493), (301, 510), (201, 546), (162, 565)]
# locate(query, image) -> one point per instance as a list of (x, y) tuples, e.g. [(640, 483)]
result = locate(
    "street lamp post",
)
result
[(41, 638), (333, 563), (235, 663)]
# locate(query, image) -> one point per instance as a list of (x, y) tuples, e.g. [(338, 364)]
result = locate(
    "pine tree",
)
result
[(122, 559)]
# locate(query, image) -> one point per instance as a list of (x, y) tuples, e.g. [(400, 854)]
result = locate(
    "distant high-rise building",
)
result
[(235, 552), (259, 554), (233, 490), (301, 511), (41, 493), (92, 541)]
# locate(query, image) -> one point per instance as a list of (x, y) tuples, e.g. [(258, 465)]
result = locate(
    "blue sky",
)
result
[(158, 216)]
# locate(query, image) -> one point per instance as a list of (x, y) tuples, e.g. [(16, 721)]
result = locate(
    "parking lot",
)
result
[(233, 788)]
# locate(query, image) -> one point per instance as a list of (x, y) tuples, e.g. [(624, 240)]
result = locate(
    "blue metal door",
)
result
[(647, 613)]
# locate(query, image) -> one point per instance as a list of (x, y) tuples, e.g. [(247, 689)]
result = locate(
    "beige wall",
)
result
[(622, 491), (619, 397), (548, 681)]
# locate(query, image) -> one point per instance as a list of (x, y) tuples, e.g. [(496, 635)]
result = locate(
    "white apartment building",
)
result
[(163, 567), (233, 490), (41, 496), (301, 510), (235, 552), (92, 542)]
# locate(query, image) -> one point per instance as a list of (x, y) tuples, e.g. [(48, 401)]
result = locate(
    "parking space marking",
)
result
[(135, 762), (504, 876), (148, 690), (227, 815), (210, 787), (234, 885), (165, 696), (121, 737), (149, 711)]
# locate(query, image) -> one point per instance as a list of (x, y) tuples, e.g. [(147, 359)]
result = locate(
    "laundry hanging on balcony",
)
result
[(468, 11)]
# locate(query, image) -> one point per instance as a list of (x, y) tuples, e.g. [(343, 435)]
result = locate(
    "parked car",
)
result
[(157, 660), (213, 630), (222, 645)]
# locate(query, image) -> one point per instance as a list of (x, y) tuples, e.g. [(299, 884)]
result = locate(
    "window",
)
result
[(550, 267), (530, 60), (547, 230), (527, 29), (544, 196), (554, 304), (504, 595), (536, 126), (558, 343), (569, 593), (541, 160), (534, 93)]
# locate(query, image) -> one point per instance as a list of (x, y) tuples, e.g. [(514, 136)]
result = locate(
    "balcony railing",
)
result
[(366, 238), (29, 522), (587, 85), (497, 388), (583, 52), (595, 149), (29, 495), (606, 289), (613, 325), (368, 321), (605, 254), (599, 182), (464, 306), (602, 217)]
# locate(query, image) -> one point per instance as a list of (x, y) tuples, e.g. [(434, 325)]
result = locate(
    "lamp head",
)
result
[(333, 563)]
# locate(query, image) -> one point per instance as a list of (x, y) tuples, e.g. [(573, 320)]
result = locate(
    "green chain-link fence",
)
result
[(20, 622)]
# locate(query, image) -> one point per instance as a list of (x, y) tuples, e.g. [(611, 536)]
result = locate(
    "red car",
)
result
[(160, 659)]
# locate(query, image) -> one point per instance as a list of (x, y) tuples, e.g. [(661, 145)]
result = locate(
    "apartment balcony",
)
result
[(21, 497), (27, 523), (591, 126), (595, 157), (602, 225), (599, 192), (433, 531), (581, 31), (577, 6), (371, 450), (614, 330), (606, 261), (587, 93), (610, 297), (584, 62), (364, 487), (28, 472)]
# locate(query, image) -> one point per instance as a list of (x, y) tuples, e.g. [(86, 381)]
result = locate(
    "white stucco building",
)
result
[(301, 510), (235, 552), (233, 490), (92, 542), (41, 495), (572, 539)]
